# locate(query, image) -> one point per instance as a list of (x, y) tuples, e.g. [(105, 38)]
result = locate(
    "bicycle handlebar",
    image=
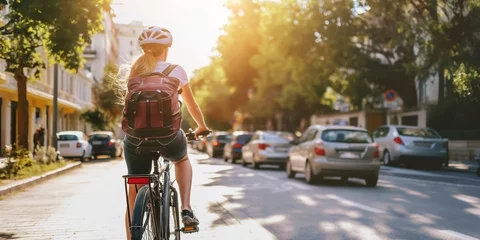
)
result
[(191, 135)]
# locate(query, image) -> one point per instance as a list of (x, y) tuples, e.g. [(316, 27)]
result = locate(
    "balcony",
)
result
[(89, 53)]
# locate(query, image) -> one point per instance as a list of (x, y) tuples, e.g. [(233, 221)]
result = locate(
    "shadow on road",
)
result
[(335, 209), (7, 236)]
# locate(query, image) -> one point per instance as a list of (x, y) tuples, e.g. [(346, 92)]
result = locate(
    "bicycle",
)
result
[(153, 203)]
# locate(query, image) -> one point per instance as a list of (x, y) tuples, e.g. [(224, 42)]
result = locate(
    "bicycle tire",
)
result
[(175, 213), (165, 210), (143, 204)]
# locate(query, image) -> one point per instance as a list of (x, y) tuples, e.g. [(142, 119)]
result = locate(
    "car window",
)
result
[(303, 138), (242, 139), (275, 136), (100, 137), (256, 137), (308, 135), (346, 136), (417, 132), (381, 132), (67, 137)]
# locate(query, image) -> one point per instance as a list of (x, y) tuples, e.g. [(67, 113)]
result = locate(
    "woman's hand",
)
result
[(200, 129)]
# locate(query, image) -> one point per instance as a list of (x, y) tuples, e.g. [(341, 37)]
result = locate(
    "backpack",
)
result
[(152, 107)]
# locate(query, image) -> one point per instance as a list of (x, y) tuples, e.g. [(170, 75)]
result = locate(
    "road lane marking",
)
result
[(354, 204), (430, 181), (268, 176), (458, 235)]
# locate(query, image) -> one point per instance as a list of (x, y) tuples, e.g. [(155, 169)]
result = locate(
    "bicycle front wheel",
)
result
[(143, 217)]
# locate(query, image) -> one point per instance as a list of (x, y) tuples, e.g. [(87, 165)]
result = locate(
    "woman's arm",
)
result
[(193, 108)]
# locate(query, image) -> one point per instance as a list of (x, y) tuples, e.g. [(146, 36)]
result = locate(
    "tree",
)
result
[(61, 29), (237, 46), (107, 111)]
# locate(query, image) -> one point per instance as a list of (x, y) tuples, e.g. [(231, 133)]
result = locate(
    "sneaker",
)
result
[(189, 219)]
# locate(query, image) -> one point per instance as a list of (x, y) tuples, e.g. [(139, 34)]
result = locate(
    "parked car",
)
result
[(411, 145), (233, 148), (104, 143), (340, 151), (217, 143), (74, 144), (201, 144), (267, 147)]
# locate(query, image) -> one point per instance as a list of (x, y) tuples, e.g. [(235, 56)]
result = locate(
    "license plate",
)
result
[(281, 149), (64, 145), (97, 142), (349, 155)]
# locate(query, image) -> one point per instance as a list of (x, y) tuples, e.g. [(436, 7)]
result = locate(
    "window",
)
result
[(381, 132), (346, 136), (278, 136), (308, 135), (418, 132), (243, 139), (67, 137)]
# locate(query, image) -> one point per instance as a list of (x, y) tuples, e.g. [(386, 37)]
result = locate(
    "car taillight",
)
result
[(216, 143), (137, 180), (376, 154), (79, 144), (319, 149), (111, 143), (398, 140), (237, 145), (263, 146)]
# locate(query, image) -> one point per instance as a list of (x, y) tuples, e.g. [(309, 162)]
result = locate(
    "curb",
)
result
[(25, 183)]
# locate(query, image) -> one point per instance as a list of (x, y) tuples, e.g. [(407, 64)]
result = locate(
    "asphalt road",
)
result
[(234, 202)]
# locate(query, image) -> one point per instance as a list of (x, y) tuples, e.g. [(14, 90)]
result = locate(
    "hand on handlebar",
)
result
[(193, 135)]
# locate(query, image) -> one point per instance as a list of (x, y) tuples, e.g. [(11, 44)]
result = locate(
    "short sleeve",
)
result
[(180, 73)]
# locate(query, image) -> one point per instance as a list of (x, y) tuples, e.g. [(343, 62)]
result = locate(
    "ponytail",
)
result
[(143, 65)]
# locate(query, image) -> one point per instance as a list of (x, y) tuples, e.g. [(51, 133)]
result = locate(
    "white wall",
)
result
[(329, 119), (128, 41)]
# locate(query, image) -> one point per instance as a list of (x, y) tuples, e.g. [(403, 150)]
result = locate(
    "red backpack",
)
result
[(152, 107)]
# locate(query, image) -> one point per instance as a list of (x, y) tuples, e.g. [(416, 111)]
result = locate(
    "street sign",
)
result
[(390, 95)]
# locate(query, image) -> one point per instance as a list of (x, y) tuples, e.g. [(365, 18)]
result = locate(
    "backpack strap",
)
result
[(169, 69)]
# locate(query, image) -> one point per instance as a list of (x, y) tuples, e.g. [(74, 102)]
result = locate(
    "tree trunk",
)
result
[(22, 110), (441, 84)]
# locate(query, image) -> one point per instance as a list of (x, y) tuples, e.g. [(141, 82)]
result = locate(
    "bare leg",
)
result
[(183, 173), (132, 194)]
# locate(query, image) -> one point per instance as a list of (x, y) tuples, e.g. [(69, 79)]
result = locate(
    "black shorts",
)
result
[(176, 150)]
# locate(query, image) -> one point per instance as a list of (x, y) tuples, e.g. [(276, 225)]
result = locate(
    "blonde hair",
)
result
[(144, 65)]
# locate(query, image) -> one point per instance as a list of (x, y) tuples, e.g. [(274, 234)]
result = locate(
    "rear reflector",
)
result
[(319, 149), (137, 180), (237, 145), (376, 154), (216, 143), (263, 146), (398, 140)]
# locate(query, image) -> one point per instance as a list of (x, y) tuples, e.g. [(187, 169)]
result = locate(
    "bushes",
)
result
[(21, 160)]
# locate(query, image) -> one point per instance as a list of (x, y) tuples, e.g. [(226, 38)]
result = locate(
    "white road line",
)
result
[(354, 204), (267, 176), (458, 235), (429, 181), (299, 186)]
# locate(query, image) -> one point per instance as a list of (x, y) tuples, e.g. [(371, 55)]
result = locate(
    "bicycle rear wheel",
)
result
[(174, 216), (143, 217), (165, 210)]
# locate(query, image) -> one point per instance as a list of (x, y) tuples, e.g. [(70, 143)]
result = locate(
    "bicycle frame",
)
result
[(147, 179)]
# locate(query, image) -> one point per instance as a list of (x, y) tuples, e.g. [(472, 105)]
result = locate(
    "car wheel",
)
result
[(290, 172), (387, 160), (244, 163), (225, 158), (478, 171), (82, 158), (309, 175), (255, 164), (121, 153), (95, 156), (371, 181)]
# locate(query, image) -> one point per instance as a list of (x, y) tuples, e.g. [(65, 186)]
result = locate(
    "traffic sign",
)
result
[(390, 95)]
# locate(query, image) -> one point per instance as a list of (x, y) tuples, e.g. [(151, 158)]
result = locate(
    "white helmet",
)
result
[(156, 35)]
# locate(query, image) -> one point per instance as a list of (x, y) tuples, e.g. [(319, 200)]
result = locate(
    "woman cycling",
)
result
[(155, 42)]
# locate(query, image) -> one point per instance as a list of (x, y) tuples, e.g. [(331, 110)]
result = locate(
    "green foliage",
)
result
[(213, 94), (38, 29), (45, 155), (17, 159), (107, 111), (98, 119)]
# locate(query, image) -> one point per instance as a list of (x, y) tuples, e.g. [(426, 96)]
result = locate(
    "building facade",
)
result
[(74, 90), (128, 41)]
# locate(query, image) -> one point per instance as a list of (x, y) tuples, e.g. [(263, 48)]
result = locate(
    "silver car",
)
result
[(411, 145), (341, 151), (267, 147)]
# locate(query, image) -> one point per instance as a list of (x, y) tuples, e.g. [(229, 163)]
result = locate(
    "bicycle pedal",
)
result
[(190, 229)]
